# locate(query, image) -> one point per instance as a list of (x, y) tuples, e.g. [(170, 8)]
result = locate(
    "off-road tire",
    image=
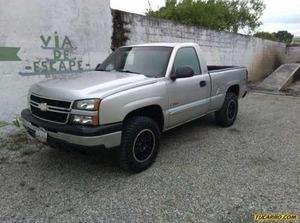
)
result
[(226, 116), (140, 137)]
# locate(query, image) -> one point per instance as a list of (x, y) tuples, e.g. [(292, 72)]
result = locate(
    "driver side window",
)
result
[(187, 56)]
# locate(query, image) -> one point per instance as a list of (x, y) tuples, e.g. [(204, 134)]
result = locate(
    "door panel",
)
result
[(187, 99)]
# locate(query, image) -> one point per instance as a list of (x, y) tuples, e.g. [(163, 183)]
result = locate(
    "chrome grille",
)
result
[(50, 109)]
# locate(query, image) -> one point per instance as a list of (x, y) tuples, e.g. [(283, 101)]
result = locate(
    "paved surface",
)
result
[(203, 173), (281, 77), (294, 88)]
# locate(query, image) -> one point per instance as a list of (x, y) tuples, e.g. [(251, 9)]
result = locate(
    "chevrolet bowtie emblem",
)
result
[(43, 107)]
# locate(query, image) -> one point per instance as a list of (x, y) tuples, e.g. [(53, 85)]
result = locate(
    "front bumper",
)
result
[(107, 135)]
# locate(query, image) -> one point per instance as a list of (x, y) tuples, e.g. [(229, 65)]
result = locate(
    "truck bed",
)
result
[(214, 68)]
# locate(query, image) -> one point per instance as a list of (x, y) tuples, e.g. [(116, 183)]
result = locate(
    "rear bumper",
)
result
[(108, 135)]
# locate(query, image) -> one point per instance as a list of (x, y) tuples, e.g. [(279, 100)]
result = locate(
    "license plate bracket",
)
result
[(41, 135)]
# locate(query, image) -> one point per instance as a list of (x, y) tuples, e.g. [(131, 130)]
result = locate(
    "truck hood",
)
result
[(93, 84)]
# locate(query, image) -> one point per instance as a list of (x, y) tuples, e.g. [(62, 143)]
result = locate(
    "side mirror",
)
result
[(98, 67), (182, 72)]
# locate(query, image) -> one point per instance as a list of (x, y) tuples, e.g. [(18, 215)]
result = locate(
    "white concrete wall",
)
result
[(261, 57), (293, 54), (35, 25), (87, 24)]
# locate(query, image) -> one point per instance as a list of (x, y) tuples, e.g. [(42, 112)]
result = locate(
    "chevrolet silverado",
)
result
[(137, 93)]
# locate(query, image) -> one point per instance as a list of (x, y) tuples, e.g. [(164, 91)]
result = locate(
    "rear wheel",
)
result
[(139, 145), (228, 113)]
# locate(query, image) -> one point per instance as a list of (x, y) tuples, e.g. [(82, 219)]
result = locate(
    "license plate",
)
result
[(41, 135)]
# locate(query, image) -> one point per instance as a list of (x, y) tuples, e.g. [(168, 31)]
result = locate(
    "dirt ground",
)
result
[(203, 173)]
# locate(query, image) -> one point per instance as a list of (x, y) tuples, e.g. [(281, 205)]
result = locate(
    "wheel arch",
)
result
[(235, 88), (153, 111)]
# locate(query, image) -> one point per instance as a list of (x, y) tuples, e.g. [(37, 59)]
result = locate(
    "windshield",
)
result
[(150, 61)]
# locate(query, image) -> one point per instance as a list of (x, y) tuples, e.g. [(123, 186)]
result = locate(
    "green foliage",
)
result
[(296, 41), (17, 122), (284, 36), (3, 124), (228, 15), (265, 35), (280, 36)]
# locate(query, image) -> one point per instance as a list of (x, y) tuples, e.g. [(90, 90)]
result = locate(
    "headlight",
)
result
[(89, 104), (85, 120)]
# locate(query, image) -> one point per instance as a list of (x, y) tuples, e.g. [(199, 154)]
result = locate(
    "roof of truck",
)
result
[(162, 44)]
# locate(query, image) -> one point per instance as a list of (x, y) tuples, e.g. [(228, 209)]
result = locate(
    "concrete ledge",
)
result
[(281, 78)]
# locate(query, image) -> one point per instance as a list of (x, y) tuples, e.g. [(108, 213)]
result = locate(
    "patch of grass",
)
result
[(3, 124), (20, 138), (14, 141), (17, 122)]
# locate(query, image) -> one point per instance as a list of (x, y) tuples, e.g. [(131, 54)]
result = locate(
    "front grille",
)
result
[(51, 102), (51, 116), (57, 111)]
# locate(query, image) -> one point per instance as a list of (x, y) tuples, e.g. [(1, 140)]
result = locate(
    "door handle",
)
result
[(202, 83)]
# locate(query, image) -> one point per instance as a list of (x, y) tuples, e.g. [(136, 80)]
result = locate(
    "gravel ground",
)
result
[(203, 173)]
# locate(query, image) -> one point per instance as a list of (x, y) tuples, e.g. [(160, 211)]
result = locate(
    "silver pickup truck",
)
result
[(137, 93)]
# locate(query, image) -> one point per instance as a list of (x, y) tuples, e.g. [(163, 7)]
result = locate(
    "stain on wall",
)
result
[(120, 33), (293, 54)]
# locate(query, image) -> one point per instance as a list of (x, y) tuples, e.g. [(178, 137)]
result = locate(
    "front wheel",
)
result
[(227, 114), (139, 145)]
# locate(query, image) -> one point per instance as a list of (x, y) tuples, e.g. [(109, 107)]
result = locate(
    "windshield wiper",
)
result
[(128, 71)]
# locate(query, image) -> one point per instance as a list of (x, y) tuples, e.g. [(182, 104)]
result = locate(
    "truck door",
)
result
[(189, 98)]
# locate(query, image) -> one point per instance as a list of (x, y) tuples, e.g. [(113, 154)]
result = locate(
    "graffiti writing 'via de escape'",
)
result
[(62, 60)]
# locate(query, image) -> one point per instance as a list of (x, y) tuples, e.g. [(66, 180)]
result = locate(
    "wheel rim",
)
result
[(143, 145), (231, 110)]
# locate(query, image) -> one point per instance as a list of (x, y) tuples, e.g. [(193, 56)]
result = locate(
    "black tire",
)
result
[(227, 114), (139, 144)]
